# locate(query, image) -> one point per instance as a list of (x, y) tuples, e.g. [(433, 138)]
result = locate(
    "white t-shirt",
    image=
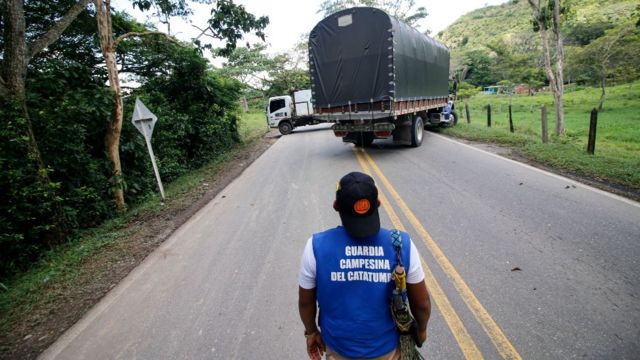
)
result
[(307, 276)]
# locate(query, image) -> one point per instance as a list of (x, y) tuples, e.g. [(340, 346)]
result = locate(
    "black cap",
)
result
[(357, 203)]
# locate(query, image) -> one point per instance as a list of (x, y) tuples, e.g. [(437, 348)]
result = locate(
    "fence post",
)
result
[(545, 133), (510, 119), (489, 115), (466, 110), (591, 145)]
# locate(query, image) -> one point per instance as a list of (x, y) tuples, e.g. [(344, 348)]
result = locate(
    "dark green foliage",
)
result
[(480, 67), (582, 33), (26, 203), (70, 107), (283, 82), (198, 118)]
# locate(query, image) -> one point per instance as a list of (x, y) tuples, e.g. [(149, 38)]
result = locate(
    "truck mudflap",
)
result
[(368, 127)]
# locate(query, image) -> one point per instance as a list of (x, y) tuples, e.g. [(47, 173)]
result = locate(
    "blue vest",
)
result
[(354, 286)]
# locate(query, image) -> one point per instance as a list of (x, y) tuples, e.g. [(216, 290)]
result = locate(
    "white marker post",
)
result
[(144, 120)]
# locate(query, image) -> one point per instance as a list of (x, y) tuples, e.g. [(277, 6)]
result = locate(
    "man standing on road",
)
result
[(347, 270)]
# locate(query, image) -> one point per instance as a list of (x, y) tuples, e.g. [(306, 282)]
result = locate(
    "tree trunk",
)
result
[(554, 75), (112, 137), (15, 54), (603, 86), (14, 76), (559, 70)]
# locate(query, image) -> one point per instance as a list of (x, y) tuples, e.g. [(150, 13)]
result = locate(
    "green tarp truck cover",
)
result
[(362, 54)]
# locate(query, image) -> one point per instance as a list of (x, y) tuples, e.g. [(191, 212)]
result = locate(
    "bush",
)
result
[(466, 90), (70, 108)]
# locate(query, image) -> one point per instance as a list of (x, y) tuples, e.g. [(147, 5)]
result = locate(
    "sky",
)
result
[(290, 19)]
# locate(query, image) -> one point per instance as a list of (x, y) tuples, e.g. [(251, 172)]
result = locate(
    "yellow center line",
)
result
[(499, 339), (459, 331)]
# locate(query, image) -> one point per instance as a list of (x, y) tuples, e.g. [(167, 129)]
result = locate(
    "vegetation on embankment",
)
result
[(617, 151), (36, 305), (70, 159), (498, 43)]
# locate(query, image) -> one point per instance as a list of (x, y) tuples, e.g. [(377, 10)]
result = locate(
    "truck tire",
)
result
[(364, 139), (285, 127), (417, 127)]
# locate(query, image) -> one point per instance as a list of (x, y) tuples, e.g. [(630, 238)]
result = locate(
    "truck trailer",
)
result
[(375, 77)]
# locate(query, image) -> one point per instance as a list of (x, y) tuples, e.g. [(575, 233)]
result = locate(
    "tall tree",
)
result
[(228, 22), (20, 47), (547, 20), (250, 66), (108, 45)]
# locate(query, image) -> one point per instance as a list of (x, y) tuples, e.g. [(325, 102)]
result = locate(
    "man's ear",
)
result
[(335, 205), (378, 201)]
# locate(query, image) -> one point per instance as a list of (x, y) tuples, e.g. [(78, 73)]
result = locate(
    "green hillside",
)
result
[(477, 28), (512, 21), (498, 43)]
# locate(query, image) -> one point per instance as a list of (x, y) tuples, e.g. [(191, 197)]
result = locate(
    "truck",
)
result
[(376, 77), (291, 111)]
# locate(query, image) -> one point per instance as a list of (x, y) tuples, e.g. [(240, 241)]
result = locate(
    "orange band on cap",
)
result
[(362, 206)]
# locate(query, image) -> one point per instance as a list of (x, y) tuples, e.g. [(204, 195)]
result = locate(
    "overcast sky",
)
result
[(290, 19)]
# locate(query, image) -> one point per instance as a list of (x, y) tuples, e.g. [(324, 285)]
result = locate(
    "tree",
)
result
[(250, 66), (403, 10), (20, 46), (614, 53), (581, 33), (272, 74), (286, 76), (514, 64), (478, 68), (228, 23), (547, 19), (466, 90)]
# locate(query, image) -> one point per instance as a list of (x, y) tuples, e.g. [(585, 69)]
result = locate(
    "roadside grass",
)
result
[(27, 298), (617, 151), (252, 125)]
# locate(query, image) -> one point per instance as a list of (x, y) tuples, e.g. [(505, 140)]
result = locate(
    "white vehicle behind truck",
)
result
[(288, 112)]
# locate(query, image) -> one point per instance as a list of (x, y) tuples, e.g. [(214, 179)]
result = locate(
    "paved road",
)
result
[(224, 285)]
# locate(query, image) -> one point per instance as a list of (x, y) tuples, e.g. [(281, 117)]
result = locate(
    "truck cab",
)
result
[(287, 112), (279, 108)]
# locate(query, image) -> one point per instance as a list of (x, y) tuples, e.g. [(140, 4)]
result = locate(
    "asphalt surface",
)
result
[(533, 266)]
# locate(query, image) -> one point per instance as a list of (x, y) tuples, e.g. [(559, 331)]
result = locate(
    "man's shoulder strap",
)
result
[(396, 241)]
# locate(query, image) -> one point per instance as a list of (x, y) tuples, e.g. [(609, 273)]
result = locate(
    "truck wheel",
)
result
[(417, 127), (285, 128), (455, 118), (364, 139)]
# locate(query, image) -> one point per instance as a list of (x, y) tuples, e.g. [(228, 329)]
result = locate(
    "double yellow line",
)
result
[(459, 331)]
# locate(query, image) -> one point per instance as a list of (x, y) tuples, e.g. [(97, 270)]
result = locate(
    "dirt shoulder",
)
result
[(63, 304)]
